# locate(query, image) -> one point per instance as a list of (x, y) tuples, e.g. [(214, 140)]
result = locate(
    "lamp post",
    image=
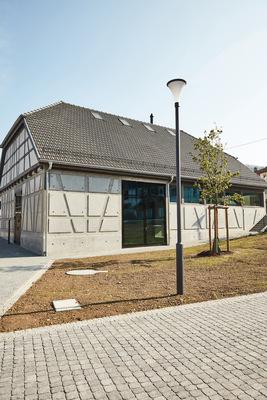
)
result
[(176, 86)]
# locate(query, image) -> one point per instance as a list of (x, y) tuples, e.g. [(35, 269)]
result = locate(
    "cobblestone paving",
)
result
[(213, 350)]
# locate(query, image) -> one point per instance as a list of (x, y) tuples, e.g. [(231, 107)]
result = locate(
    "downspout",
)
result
[(168, 197), (46, 216)]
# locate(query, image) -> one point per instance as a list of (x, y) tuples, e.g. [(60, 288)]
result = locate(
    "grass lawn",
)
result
[(140, 281)]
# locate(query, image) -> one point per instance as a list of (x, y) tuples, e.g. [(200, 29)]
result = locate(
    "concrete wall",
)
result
[(195, 222), (83, 215)]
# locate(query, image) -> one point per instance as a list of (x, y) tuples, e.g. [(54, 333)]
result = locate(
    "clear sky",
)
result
[(117, 56)]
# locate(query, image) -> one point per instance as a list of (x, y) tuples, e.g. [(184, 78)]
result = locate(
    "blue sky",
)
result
[(117, 56)]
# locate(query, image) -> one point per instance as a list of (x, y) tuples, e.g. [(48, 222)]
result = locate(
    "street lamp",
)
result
[(176, 86)]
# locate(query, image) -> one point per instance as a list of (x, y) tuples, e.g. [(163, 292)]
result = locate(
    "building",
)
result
[(78, 181), (262, 173)]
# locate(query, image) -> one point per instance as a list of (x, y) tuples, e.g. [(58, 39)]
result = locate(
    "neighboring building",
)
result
[(262, 173), (78, 181)]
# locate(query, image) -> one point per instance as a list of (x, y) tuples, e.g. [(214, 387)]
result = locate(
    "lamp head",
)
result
[(176, 86)]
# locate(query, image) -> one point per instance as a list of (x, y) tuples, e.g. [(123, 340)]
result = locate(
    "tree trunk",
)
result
[(210, 229), (216, 243), (215, 231)]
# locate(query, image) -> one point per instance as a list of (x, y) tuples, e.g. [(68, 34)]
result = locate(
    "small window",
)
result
[(191, 194), (149, 128), (96, 115), (171, 132), (124, 122), (18, 204), (173, 197)]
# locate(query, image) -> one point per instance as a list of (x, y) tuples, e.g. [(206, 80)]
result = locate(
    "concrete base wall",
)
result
[(32, 241), (86, 245), (4, 229)]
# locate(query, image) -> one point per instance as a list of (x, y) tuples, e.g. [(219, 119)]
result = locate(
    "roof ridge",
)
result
[(122, 116), (42, 108)]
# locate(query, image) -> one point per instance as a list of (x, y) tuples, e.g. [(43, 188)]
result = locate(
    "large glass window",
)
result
[(143, 214), (253, 199), (232, 202)]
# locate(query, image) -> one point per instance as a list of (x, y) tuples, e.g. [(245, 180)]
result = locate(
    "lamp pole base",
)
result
[(179, 268)]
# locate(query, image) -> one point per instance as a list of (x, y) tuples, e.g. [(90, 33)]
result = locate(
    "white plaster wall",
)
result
[(19, 157), (8, 212), (32, 221), (32, 205), (32, 215)]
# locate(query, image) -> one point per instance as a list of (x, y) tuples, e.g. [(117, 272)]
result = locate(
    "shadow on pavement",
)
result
[(93, 304), (13, 250)]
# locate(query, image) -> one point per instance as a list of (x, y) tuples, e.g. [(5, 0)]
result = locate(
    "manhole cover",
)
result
[(83, 272)]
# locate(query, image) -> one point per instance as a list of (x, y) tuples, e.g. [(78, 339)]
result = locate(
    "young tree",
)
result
[(216, 178)]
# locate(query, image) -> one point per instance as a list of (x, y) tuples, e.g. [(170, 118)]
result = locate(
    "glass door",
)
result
[(143, 214)]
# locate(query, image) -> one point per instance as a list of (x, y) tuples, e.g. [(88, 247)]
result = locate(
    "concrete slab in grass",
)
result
[(66, 305)]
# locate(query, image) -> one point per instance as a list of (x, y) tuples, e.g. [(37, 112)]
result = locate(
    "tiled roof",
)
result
[(67, 133)]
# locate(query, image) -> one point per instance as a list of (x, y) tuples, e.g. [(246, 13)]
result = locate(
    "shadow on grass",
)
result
[(84, 265), (147, 261), (93, 304)]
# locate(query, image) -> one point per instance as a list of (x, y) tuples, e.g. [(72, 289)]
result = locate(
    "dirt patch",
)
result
[(143, 281), (208, 253)]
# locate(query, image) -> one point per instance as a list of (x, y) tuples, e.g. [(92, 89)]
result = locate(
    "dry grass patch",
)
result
[(140, 281)]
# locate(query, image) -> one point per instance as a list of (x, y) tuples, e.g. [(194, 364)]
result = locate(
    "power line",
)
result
[(245, 144)]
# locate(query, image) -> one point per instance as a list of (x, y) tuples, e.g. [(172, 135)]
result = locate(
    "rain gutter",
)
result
[(46, 209)]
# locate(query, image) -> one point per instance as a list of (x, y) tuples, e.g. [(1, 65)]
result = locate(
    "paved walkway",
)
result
[(212, 350), (19, 268)]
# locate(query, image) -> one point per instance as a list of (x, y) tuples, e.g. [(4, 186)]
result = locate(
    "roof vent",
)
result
[(151, 118)]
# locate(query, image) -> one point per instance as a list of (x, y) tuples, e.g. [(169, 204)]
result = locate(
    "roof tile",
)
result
[(68, 133)]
